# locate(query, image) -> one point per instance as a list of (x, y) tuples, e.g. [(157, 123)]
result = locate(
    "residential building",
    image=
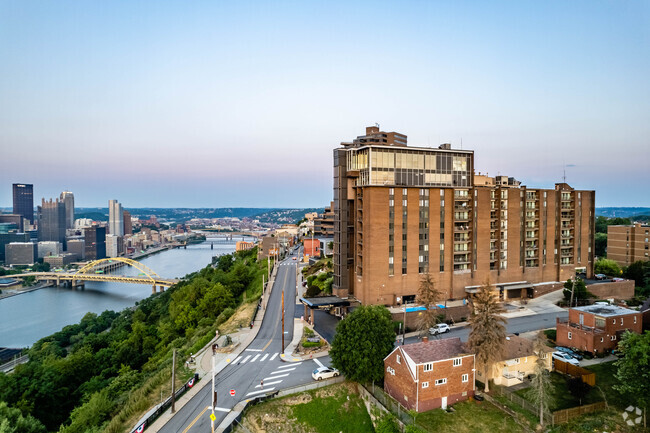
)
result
[(95, 242), (7, 238), (114, 245), (311, 247), (628, 244), (244, 246), (128, 225), (596, 328), (24, 200), (517, 362), (68, 200), (115, 218), (21, 253), (401, 212), (324, 224), (431, 374), (326, 245), (78, 248), (51, 221), (269, 247), (49, 248)]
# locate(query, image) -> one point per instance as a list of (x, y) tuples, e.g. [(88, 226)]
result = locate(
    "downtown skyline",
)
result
[(241, 105)]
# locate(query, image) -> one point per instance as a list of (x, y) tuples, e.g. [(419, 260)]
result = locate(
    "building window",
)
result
[(634, 319), (458, 361), (614, 321), (441, 381), (391, 371), (399, 360), (465, 378), (613, 337), (621, 320), (516, 360), (428, 366), (425, 384), (569, 335), (602, 339)]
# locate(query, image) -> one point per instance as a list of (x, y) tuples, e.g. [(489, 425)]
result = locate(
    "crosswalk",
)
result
[(250, 358), (274, 378)]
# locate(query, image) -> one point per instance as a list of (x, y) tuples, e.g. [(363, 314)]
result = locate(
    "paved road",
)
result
[(260, 361)]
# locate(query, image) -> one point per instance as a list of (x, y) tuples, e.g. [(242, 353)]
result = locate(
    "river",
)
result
[(28, 317)]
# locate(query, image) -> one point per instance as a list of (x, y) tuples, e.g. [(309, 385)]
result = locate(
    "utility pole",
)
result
[(174, 381), (573, 286), (282, 312), (214, 390)]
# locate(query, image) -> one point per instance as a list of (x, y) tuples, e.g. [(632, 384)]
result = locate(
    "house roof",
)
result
[(605, 310), (519, 347), (434, 350)]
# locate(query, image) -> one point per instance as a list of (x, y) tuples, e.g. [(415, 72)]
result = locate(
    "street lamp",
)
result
[(398, 299)]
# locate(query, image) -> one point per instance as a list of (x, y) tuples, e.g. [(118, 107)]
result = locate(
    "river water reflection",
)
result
[(26, 318)]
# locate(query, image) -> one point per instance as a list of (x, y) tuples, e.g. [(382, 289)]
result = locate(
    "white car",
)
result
[(565, 357), (324, 373), (440, 328)]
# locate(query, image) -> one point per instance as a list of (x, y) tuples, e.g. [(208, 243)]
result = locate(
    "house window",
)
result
[(602, 339), (634, 319), (399, 360), (441, 381), (391, 371), (613, 321), (613, 337), (621, 320), (458, 361), (569, 335), (544, 355), (425, 384), (428, 366), (516, 360), (465, 378)]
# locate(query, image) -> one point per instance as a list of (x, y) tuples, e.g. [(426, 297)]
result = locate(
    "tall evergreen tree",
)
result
[(428, 295), (487, 333), (541, 390)]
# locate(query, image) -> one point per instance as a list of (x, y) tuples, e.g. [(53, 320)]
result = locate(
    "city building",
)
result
[(244, 246), (8, 218), (95, 242), (326, 245), (518, 360), (269, 247), (68, 200), (431, 374), (596, 328), (7, 238), (24, 201), (324, 224), (628, 244), (311, 247), (128, 225), (78, 248), (49, 248), (115, 218), (51, 221), (21, 253), (60, 260), (114, 245), (82, 223), (401, 212)]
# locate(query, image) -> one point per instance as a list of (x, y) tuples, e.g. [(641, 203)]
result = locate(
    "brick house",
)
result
[(431, 374), (597, 328), (518, 361)]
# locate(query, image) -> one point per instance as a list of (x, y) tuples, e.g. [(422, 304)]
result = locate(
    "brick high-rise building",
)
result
[(402, 212), (128, 225), (628, 244), (24, 200)]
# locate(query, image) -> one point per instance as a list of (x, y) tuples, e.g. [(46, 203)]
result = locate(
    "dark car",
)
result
[(569, 352)]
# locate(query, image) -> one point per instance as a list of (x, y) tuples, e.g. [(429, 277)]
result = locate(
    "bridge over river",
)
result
[(99, 270)]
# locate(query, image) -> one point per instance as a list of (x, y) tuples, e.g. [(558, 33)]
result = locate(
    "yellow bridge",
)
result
[(99, 270)]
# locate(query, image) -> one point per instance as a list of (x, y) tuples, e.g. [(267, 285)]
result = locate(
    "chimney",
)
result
[(425, 339)]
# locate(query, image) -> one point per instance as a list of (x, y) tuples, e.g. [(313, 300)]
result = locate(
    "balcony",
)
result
[(461, 228)]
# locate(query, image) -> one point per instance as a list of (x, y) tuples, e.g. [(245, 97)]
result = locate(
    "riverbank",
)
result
[(8, 293)]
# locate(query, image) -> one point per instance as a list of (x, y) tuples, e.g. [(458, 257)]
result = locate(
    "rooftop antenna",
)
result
[(377, 125), (461, 143)]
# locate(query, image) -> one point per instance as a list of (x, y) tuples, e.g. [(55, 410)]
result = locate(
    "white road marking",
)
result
[(221, 409), (246, 359), (236, 360), (253, 350), (283, 370), (276, 377), (269, 383), (273, 357), (320, 364), (264, 357), (260, 391), (256, 356), (290, 365)]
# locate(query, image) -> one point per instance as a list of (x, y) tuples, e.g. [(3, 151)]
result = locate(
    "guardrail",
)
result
[(8, 366)]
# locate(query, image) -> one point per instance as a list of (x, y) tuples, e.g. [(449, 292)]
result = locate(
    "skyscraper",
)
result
[(68, 199), (24, 200), (95, 242), (115, 218), (402, 212), (51, 221), (128, 225)]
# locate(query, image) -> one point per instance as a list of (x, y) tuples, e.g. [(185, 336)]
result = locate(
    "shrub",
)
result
[(308, 332), (551, 334), (307, 344)]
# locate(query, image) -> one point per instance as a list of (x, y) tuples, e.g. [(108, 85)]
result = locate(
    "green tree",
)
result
[(363, 339), (541, 389), (638, 271), (487, 333), (607, 267), (602, 223), (601, 244), (580, 292), (428, 296), (13, 421), (633, 369)]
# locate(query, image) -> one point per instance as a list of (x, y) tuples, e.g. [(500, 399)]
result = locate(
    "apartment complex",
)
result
[(628, 244), (401, 212)]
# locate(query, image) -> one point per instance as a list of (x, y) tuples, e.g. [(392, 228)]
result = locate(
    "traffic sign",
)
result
[(232, 392)]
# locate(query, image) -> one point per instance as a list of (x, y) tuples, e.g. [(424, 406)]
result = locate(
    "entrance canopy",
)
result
[(325, 301)]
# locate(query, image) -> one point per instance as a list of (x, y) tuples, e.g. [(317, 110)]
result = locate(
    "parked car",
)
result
[(600, 276), (618, 279), (324, 373), (565, 357), (569, 352), (440, 328)]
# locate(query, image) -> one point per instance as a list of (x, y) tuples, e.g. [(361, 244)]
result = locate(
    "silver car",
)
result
[(324, 373)]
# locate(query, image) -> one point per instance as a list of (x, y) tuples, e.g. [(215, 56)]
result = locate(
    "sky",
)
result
[(220, 104)]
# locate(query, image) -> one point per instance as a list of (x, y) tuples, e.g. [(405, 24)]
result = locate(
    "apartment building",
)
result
[(401, 212), (628, 244)]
